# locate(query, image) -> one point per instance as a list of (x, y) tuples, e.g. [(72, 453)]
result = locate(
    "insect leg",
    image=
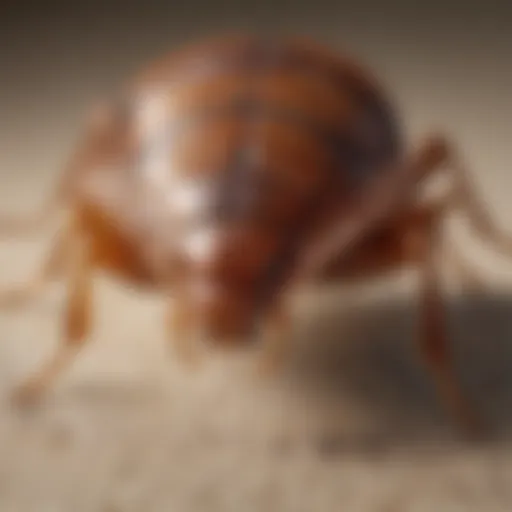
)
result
[(398, 245), (414, 238), (99, 127), (388, 195), (77, 322), (374, 207), (433, 338), (465, 197)]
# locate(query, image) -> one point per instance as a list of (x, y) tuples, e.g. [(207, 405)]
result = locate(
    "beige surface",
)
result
[(351, 423)]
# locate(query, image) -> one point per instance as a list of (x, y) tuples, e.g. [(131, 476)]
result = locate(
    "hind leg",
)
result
[(415, 240), (51, 268), (77, 322), (434, 343)]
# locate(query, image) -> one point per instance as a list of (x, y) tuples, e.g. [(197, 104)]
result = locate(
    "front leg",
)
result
[(77, 320), (400, 244), (389, 194), (374, 207)]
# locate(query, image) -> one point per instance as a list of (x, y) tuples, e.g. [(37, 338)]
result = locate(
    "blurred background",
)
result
[(351, 423)]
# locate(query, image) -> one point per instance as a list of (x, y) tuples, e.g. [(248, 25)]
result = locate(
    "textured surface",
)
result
[(355, 422), (351, 423)]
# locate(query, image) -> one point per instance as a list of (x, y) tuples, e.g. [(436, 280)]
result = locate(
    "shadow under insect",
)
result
[(370, 355)]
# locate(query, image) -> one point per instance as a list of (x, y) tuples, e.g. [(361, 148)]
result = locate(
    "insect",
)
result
[(229, 171)]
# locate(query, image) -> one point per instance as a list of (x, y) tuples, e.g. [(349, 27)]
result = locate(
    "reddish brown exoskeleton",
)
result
[(234, 169)]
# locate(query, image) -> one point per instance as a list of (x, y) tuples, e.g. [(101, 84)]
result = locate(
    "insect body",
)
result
[(233, 169)]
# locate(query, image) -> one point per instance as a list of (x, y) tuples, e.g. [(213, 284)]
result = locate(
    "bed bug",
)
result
[(228, 172)]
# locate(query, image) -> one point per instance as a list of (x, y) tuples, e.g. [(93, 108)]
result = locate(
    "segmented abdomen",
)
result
[(254, 136)]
